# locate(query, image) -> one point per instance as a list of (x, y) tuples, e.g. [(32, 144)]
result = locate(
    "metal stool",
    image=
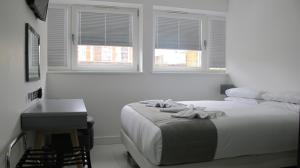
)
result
[(48, 157), (86, 136)]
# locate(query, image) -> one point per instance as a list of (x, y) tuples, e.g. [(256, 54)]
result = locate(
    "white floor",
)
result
[(115, 156), (109, 156)]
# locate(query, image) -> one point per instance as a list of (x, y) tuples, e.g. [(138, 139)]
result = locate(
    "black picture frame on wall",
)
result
[(32, 54)]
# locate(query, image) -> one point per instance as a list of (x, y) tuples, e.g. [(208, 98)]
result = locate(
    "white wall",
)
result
[(106, 94), (13, 88), (263, 44)]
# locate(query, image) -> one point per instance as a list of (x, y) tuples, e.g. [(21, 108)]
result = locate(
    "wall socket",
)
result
[(34, 95)]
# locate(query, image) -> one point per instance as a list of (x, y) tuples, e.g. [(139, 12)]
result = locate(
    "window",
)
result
[(101, 38), (105, 39), (181, 45), (178, 42)]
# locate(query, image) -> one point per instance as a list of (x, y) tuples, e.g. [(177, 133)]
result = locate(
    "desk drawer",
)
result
[(39, 122)]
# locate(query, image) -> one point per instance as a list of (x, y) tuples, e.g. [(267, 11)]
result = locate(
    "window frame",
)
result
[(137, 27), (182, 13), (178, 15), (134, 12)]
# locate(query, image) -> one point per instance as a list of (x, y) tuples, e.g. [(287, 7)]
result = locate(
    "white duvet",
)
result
[(247, 129)]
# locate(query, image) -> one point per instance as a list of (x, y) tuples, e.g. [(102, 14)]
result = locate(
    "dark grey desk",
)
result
[(54, 116)]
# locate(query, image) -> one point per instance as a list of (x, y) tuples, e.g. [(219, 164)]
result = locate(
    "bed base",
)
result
[(276, 160)]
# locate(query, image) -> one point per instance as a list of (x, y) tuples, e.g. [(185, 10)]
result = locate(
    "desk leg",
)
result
[(39, 140), (75, 141)]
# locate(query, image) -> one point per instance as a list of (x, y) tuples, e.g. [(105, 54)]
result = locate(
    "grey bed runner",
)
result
[(183, 140)]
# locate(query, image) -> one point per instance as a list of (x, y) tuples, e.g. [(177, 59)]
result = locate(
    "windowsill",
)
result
[(138, 73), (94, 72), (191, 72)]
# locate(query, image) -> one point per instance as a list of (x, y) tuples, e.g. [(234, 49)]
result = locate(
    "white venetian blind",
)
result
[(216, 43), (57, 37), (178, 33), (106, 29)]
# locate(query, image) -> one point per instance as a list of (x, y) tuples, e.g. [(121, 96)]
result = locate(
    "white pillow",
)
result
[(242, 100), (243, 93), (287, 97)]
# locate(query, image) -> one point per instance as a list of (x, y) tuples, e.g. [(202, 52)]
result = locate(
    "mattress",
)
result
[(247, 129)]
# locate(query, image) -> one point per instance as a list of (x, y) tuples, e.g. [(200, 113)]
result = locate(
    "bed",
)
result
[(250, 135)]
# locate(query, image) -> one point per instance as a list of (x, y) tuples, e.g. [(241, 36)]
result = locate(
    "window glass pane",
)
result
[(106, 40), (105, 29), (118, 30), (177, 58), (177, 42), (109, 55), (91, 28), (178, 33), (167, 33)]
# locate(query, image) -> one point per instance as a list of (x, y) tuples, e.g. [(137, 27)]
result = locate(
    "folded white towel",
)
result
[(174, 109), (211, 114), (187, 113), (198, 112), (160, 103)]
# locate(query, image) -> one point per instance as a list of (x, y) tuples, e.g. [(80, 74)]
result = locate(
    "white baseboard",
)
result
[(107, 140)]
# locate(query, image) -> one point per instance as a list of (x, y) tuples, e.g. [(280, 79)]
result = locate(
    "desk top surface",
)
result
[(52, 114), (58, 106)]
